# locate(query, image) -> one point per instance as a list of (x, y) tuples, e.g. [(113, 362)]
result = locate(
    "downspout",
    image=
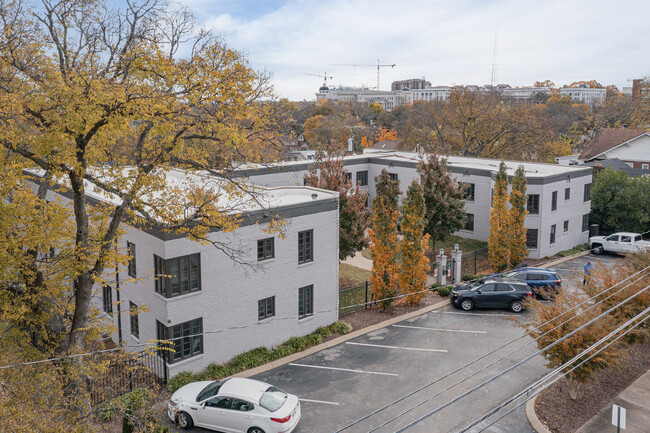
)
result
[(117, 292)]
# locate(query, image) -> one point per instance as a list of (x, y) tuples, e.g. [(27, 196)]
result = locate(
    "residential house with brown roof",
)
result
[(630, 146)]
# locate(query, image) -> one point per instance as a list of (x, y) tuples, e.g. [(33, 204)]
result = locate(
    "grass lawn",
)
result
[(465, 245), (352, 272)]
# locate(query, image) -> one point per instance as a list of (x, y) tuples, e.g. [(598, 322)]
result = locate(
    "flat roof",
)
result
[(259, 198)]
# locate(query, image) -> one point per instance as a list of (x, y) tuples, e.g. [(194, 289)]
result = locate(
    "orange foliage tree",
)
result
[(517, 215), (415, 264), (383, 238), (498, 244)]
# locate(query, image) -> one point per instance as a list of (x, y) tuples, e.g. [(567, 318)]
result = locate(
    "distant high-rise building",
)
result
[(412, 84)]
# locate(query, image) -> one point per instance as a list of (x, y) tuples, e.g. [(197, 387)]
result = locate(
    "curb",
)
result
[(564, 259), (338, 340), (535, 423)]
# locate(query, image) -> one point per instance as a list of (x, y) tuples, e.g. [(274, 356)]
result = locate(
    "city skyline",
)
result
[(449, 44)]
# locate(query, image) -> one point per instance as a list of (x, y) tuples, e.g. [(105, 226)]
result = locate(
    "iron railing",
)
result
[(355, 298)]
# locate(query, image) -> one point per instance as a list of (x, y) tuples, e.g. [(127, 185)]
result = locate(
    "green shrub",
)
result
[(470, 277), (575, 250), (258, 356), (444, 291)]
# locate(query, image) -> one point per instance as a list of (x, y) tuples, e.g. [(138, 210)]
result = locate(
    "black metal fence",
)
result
[(127, 372), (355, 298), (474, 262)]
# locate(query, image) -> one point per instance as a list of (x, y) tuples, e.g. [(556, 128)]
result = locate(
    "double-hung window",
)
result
[(107, 299), (305, 301), (305, 246), (186, 339), (177, 276), (469, 222), (554, 201), (567, 193), (532, 204), (587, 192), (135, 319), (265, 249), (552, 239), (266, 308), (585, 222), (566, 226), (362, 178), (393, 177), (130, 249), (531, 238), (468, 190)]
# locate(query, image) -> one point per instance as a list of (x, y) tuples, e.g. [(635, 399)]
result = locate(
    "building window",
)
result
[(266, 308), (492, 198), (554, 201), (531, 238), (587, 194), (348, 176), (265, 249), (305, 247), (305, 301), (107, 299), (532, 204), (566, 226), (645, 166), (393, 177), (585, 222), (552, 234), (135, 322), (362, 178), (468, 190), (177, 276), (567, 193), (130, 250), (186, 339), (469, 222)]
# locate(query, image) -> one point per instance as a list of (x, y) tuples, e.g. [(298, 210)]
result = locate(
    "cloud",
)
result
[(448, 42)]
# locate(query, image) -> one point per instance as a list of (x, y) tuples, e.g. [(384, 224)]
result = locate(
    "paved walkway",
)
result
[(636, 401)]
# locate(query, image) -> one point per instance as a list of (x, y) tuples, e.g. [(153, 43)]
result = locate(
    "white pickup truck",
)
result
[(621, 243)]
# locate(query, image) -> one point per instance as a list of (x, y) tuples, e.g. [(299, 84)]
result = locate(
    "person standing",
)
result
[(587, 271)]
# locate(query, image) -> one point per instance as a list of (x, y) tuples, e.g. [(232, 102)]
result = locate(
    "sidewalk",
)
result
[(636, 401)]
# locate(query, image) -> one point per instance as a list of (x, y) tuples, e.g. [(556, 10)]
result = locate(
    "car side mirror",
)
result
[(478, 291)]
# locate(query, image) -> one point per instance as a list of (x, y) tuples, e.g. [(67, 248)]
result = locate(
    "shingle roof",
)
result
[(607, 138)]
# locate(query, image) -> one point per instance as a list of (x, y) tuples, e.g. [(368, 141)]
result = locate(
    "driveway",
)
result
[(344, 383)]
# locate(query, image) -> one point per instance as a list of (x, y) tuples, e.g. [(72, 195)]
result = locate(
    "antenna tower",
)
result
[(494, 79)]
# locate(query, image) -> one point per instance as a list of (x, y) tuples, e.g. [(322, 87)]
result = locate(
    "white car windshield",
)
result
[(273, 399)]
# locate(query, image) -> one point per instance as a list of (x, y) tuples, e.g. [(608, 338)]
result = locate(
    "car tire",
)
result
[(516, 306), (184, 420), (255, 430), (598, 249), (466, 305)]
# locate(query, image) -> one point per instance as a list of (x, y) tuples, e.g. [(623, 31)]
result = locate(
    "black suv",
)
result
[(491, 293)]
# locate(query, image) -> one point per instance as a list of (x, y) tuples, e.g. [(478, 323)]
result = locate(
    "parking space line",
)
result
[(396, 347), (476, 314), (440, 329), (333, 403), (344, 369)]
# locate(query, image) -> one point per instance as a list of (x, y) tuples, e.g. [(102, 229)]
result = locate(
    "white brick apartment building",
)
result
[(558, 196), (213, 308)]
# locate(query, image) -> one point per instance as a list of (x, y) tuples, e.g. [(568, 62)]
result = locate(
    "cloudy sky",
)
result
[(448, 42)]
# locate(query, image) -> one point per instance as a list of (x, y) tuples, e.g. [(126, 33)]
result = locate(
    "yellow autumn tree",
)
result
[(498, 244), (415, 264), (98, 96), (517, 216), (383, 237)]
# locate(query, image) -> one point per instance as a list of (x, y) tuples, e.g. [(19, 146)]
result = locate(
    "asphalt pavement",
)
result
[(342, 384)]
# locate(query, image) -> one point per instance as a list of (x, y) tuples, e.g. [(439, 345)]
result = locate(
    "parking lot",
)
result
[(341, 384)]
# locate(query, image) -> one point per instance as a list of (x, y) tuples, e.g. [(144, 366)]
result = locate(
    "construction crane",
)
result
[(378, 66), (324, 77)]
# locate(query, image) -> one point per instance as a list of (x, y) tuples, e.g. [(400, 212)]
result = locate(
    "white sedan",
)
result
[(235, 405)]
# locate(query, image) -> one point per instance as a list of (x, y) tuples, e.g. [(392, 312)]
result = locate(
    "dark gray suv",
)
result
[(491, 293)]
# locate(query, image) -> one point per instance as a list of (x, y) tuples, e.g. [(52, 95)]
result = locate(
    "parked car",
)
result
[(491, 293), (235, 405), (538, 279), (621, 243)]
